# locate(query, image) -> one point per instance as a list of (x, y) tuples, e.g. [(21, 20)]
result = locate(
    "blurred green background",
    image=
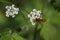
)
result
[(20, 28)]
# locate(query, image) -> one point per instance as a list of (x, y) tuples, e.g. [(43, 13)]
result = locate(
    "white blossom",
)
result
[(11, 11), (35, 14)]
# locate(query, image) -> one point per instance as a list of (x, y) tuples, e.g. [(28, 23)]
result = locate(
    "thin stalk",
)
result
[(35, 32), (41, 38), (11, 24)]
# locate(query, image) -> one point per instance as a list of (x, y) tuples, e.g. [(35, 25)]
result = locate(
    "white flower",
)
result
[(11, 11), (35, 14)]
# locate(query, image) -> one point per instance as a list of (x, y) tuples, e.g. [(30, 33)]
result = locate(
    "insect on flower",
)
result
[(40, 20), (36, 16)]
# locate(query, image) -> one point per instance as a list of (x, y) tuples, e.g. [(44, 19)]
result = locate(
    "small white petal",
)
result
[(40, 11), (7, 15), (13, 5), (33, 16), (31, 12), (28, 15), (34, 10), (13, 16), (15, 12), (33, 23), (7, 7), (17, 9), (31, 19), (6, 12)]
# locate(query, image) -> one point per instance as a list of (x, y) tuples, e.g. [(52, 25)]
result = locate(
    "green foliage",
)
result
[(9, 26), (13, 36)]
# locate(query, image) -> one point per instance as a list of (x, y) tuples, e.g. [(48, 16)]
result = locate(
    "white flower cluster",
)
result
[(35, 14), (11, 11)]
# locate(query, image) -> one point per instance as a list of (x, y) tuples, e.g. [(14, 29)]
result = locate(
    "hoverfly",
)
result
[(40, 20)]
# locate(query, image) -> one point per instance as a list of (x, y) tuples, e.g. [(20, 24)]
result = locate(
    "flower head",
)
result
[(35, 14), (11, 11)]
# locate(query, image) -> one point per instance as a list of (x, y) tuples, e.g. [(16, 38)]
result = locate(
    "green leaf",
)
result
[(17, 37)]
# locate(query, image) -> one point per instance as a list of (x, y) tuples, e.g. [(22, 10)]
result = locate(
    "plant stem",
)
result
[(35, 32), (41, 38)]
